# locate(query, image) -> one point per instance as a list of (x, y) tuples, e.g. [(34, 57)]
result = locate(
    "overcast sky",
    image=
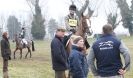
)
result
[(53, 9)]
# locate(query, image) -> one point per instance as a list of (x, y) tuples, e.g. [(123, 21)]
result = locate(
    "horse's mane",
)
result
[(81, 30)]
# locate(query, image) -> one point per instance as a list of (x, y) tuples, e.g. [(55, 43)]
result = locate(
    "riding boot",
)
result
[(24, 45)]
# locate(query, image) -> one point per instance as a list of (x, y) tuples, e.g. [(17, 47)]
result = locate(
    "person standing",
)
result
[(77, 59), (58, 53), (6, 54), (106, 51)]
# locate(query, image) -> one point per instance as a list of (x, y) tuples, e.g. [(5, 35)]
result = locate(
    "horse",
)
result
[(19, 46), (82, 30), (83, 27)]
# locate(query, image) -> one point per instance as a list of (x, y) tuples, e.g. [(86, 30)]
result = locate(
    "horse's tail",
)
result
[(33, 48)]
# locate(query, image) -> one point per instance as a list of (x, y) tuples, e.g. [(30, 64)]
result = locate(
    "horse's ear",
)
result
[(87, 17)]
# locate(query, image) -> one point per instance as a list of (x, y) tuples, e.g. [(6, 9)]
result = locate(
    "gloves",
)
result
[(73, 31)]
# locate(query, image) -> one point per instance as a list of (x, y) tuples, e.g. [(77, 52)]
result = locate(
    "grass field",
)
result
[(39, 66)]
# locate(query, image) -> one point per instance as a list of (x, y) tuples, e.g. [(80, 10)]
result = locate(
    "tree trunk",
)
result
[(130, 28), (84, 7)]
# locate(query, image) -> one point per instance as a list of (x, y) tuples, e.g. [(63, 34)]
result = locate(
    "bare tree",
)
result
[(112, 19), (2, 23), (86, 5), (111, 12), (31, 3), (126, 15)]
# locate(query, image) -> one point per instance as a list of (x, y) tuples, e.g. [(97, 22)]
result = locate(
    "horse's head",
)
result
[(84, 24)]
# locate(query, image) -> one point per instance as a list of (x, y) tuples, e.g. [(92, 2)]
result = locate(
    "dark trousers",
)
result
[(5, 68), (60, 74)]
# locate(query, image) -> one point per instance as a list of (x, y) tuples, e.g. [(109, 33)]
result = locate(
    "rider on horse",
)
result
[(71, 23), (22, 36), (75, 27), (72, 20)]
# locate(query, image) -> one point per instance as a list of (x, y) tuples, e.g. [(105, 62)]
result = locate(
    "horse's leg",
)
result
[(27, 52), (20, 53), (69, 47), (15, 52)]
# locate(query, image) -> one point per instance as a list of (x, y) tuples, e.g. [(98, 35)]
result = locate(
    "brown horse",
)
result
[(19, 46), (83, 27), (82, 30)]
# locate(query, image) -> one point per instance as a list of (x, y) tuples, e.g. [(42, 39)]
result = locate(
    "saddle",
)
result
[(23, 44)]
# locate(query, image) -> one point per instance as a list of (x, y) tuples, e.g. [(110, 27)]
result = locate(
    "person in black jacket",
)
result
[(58, 53), (6, 54)]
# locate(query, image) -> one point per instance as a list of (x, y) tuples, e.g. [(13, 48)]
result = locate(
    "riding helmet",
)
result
[(72, 7)]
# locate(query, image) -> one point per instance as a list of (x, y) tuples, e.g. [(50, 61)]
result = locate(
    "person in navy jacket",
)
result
[(58, 54), (106, 51), (77, 59)]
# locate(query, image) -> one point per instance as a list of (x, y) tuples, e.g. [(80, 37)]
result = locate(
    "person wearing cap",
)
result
[(58, 54), (6, 53), (71, 24), (77, 59), (71, 20), (22, 36), (106, 52), (22, 33)]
